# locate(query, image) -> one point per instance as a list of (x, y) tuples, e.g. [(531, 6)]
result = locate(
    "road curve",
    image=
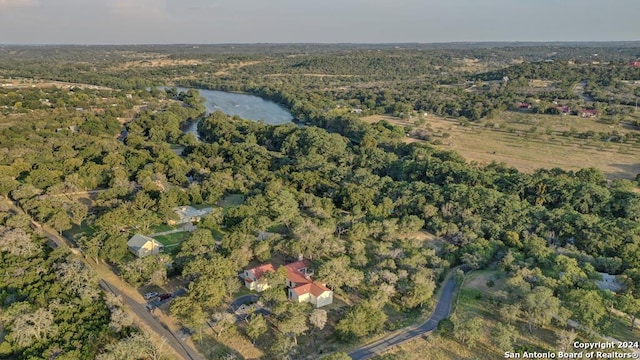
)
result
[(443, 307)]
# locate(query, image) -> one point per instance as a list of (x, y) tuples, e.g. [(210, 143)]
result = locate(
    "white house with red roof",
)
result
[(302, 288), (300, 285), (252, 277), (635, 64), (587, 113)]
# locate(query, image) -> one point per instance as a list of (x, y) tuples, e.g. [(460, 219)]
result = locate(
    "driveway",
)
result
[(246, 300), (442, 310), (242, 300)]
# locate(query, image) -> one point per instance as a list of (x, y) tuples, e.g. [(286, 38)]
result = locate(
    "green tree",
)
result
[(293, 323), (363, 319), (337, 272), (421, 290), (539, 307), (224, 321), (631, 306), (588, 307), (282, 346), (256, 327), (199, 243), (503, 336), (509, 313), (468, 329)]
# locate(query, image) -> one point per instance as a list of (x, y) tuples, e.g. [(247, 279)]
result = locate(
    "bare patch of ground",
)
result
[(156, 62), (541, 83), (34, 83), (472, 65), (478, 280), (227, 344), (312, 75), (426, 239), (236, 66)]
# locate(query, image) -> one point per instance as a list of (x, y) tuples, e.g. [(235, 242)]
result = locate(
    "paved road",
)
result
[(443, 307), (137, 309), (184, 350), (578, 89)]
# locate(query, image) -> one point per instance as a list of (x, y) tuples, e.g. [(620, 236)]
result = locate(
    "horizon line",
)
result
[(334, 43)]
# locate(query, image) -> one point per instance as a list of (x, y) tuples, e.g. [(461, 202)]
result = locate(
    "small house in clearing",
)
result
[(189, 214), (252, 277), (142, 246)]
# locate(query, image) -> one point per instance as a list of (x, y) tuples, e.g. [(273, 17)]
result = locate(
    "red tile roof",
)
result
[(302, 289), (298, 265), (258, 271), (295, 273), (318, 289), (315, 288)]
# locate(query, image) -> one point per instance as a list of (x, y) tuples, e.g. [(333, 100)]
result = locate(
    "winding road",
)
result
[(443, 307)]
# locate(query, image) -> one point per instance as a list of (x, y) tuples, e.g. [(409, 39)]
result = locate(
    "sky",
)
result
[(314, 21)]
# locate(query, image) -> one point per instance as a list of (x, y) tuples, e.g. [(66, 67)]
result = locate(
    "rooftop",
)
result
[(296, 272), (315, 288), (138, 241), (258, 271), (191, 212)]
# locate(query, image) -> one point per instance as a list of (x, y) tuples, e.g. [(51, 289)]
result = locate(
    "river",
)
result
[(246, 106)]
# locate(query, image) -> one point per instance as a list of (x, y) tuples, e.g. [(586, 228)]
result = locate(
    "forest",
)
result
[(350, 196)]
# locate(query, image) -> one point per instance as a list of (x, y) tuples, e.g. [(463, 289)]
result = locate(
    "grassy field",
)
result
[(531, 141), (433, 348), (230, 345), (76, 231), (479, 280), (474, 298), (217, 234), (162, 228), (619, 328), (445, 348), (426, 238), (230, 201), (171, 242)]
